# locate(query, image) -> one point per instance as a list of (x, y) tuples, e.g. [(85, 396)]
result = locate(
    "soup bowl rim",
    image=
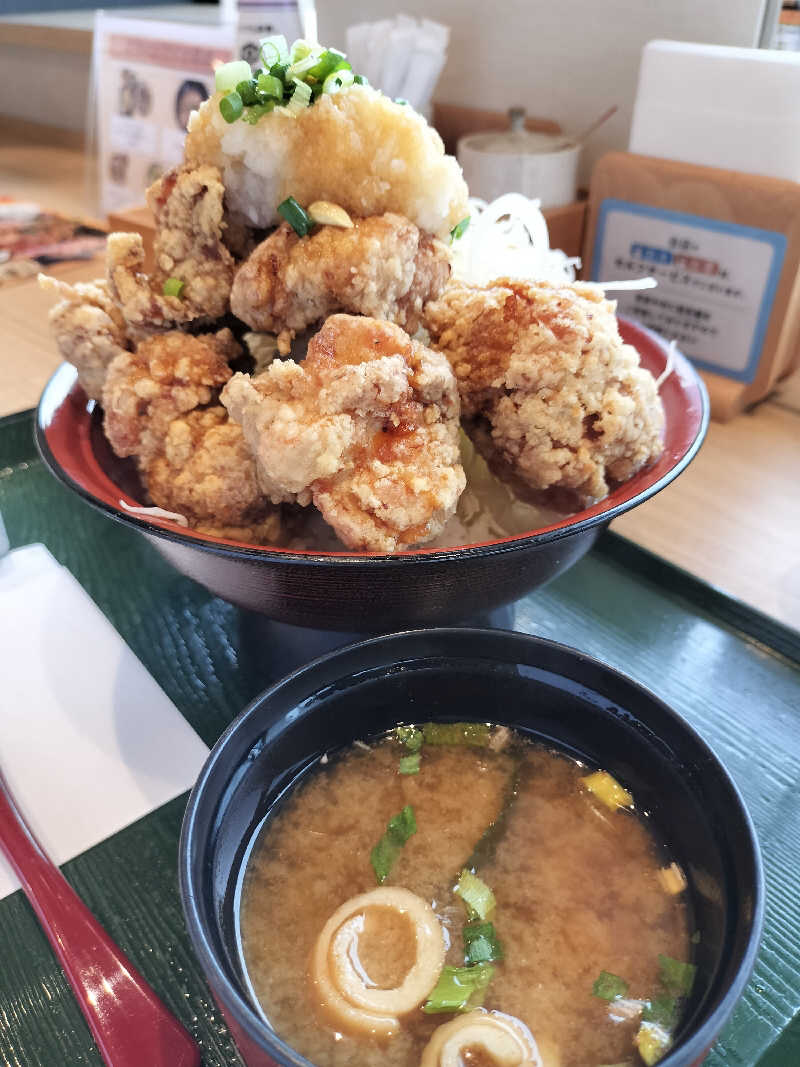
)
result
[(692, 1046)]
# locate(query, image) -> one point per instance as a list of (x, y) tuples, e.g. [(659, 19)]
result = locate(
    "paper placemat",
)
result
[(88, 741)]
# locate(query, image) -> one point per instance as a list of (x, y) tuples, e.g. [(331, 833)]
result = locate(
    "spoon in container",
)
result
[(128, 1021)]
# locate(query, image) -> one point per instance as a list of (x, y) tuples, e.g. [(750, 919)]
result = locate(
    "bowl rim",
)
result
[(596, 515), (691, 1049)]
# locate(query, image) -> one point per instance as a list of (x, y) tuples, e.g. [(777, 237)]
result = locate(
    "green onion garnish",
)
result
[(459, 229), (456, 733), (299, 50), (359, 79), (609, 986), (301, 97), (298, 219), (661, 1010), (398, 830), (677, 978), (231, 107), (270, 86), (331, 60), (173, 287), (253, 114), (481, 944), (401, 100), (410, 737), (409, 764), (476, 894), (274, 50), (459, 989), (229, 75), (248, 92), (340, 79)]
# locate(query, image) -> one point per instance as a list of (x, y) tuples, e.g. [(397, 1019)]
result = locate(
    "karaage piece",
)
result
[(188, 247), (567, 403), (366, 428), (206, 472), (166, 376), (383, 267), (356, 148), (88, 328)]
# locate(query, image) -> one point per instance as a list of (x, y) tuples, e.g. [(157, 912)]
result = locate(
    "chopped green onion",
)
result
[(661, 1010), (398, 830), (253, 114), (481, 944), (299, 50), (298, 219), (302, 66), (270, 86), (231, 107), (247, 91), (676, 977), (410, 737), (476, 894), (173, 287), (340, 79), (361, 80), (229, 75), (274, 50), (301, 97), (459, 229), (456, 733), (609, 986), (330, 61), (459, 989), (409, 764), (401, 100)]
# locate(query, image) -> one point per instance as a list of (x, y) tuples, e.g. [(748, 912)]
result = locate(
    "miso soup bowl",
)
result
[(548, 692)]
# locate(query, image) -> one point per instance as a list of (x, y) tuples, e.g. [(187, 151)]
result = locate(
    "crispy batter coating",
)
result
[(206, 472), (567, 402), (356, 148), (366, 428), (383, 267), (88, 328), (188, 211), (166, 376)]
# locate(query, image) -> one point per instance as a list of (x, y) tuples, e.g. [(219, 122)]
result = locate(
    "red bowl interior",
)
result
[(65, 423)]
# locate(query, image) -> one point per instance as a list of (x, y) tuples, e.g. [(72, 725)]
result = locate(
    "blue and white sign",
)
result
[(716, 280)]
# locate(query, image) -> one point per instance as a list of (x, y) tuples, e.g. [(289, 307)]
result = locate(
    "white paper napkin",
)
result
[(88, 741)]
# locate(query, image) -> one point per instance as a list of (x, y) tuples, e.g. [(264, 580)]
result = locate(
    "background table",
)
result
[(732, 672)]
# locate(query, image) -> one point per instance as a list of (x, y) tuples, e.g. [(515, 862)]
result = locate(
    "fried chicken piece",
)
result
[(187, 207), (206, 472), (567, 403), (383, 267), (356, 148), (88, 328), (366, 428), (166, 376)]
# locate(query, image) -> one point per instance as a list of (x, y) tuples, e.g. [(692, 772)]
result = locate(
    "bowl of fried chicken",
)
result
[(325, 399)]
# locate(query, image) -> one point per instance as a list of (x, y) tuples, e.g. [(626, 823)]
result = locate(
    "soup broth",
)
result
[(579, 890)]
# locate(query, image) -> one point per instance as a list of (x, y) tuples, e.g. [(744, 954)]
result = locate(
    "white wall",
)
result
[(563, 59)]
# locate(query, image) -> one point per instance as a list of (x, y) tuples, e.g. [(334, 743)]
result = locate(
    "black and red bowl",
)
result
[(362, 592), (548, 692)]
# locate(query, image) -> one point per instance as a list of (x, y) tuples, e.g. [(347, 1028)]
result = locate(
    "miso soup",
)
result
[(460, 895)]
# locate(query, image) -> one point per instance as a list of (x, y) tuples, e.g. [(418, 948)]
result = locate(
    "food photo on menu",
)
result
[(359, 737)]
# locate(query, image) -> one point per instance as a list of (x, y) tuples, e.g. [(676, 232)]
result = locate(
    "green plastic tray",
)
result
[(733, 673)]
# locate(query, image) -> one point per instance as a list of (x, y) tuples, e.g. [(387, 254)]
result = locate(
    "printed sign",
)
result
[(716, 280), (148, 76)]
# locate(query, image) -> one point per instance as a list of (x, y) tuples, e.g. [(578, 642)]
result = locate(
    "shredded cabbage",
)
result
[(155, 513)]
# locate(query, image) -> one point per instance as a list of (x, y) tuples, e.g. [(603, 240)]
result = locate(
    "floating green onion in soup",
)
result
[(454, 894)]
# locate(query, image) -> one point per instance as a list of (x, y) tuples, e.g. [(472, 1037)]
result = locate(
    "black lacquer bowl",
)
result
[(549, 692), (361, 592)]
